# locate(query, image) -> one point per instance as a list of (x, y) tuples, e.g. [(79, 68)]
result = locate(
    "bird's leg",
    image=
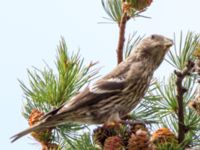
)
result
[(128, 119), (113, 119), (133, 122)]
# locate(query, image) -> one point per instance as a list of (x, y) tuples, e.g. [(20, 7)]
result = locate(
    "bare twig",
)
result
[(122, 26), (180, 92)]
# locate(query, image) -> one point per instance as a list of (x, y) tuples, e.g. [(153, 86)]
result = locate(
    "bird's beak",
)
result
[(168, 43)]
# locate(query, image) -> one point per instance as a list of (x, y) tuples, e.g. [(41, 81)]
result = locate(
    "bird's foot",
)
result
[(112, 124), (132, 122)]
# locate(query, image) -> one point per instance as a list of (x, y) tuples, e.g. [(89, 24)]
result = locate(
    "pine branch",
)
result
[(48, 90), (84, 142), (122, 27), (120, 11), (180, 92)]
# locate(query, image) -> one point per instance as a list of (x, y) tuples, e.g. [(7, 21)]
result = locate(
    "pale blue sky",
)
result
[(30, 31)]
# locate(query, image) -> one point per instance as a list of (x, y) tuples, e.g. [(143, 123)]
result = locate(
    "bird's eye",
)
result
[(153, 37), (157, 46)]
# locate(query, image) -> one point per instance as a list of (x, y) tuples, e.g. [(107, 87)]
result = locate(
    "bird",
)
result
[(114, 95)]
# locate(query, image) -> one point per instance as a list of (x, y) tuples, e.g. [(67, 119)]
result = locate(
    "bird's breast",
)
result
[(134, 93)]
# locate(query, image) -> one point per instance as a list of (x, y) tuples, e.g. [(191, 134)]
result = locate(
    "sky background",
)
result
[(31, 29)]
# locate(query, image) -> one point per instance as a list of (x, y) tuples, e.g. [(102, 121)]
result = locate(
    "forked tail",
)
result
[(51, 119), (25, 132)]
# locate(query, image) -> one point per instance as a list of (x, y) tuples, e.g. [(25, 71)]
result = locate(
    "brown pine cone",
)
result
[(138, 126), (102, 133), (142, 4), (34, 116), (40, 136), (139, 141), (163, 135), (113, 143), (50, 146), (196, 52), (126, 7), (195, 104)]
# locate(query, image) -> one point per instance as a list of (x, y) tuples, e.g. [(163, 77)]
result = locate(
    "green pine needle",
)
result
[(183, 50), (84, 142), (48, 89), (132, 41), (113, 9)]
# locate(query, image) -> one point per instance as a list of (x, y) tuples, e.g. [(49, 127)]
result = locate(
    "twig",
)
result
[(122, 26), (121, 40), (180, 92)]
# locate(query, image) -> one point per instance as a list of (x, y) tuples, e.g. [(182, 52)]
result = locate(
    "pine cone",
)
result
[(102, 133), (34, 116), (113, 143), (40, 136), (138, 126), (142, 4), (196, 52), (139, 141), (50, 146), (196, 68), (126, 7), (163, 135), (195, 104)]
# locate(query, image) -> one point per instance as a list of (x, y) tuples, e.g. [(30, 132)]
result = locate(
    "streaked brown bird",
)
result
[(113, 96)]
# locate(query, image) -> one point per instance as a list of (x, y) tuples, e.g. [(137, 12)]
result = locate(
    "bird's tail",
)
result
[(51, 119), (25, 132)]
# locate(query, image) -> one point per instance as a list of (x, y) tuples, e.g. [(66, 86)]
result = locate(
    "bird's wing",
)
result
[(109, 85), (100, 90)]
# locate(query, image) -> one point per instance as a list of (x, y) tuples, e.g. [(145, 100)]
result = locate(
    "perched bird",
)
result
[(113, 96)]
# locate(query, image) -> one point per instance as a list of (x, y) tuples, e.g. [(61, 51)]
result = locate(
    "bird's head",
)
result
[(153, 48)]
